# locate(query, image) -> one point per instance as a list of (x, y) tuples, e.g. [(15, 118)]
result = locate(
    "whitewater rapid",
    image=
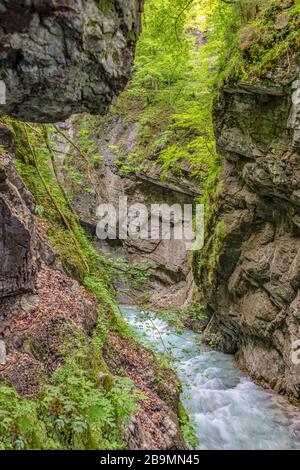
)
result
[(229, 411)]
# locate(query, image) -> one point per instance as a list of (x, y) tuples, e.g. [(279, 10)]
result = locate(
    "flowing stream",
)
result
[(228, 409)]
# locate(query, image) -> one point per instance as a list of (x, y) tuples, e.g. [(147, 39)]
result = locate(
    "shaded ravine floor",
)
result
[(228, 409)]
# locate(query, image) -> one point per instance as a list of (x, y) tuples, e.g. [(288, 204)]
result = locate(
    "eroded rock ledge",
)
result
[(252, 296), (60, 57)]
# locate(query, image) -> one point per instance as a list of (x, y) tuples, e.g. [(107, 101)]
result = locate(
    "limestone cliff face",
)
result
[(170, 283), (253, 293), (60, 57)]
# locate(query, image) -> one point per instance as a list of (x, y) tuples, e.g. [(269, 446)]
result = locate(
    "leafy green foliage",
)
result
[(73, 411), (82, 158)]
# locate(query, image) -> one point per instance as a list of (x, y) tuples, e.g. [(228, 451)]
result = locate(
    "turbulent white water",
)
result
[(229, 410)]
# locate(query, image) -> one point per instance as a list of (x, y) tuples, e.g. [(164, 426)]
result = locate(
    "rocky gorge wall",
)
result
[(251, 290), (66, 56), (170, 281)]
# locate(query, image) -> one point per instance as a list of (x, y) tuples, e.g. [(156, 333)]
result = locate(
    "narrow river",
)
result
[(229, 410)]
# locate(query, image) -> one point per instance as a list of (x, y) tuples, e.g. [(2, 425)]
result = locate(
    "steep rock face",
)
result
[(18, 237), (171, 282), (252, 295), (35, 326), (62, 57)]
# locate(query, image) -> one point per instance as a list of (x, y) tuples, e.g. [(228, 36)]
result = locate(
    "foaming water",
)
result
[(229, 410)]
